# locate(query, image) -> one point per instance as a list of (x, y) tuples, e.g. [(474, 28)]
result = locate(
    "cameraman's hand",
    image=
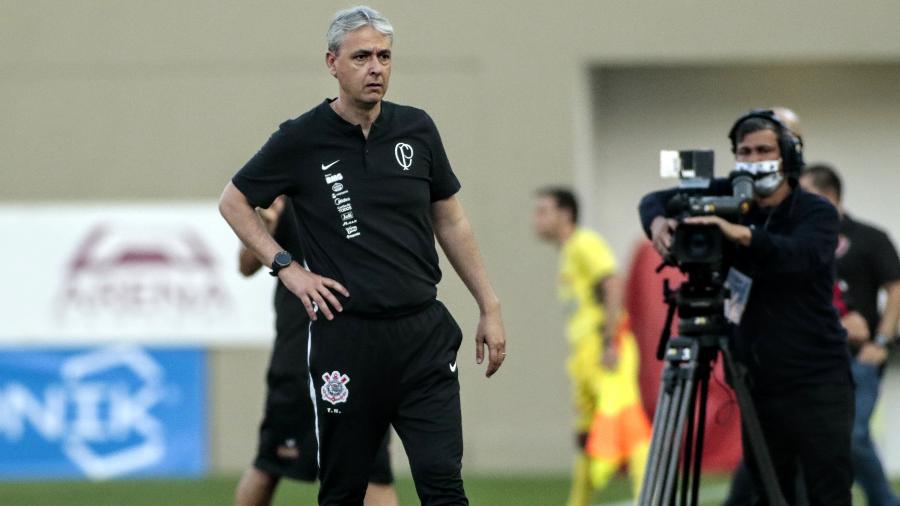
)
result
[(661, 230), (732, 231), (311, 288)]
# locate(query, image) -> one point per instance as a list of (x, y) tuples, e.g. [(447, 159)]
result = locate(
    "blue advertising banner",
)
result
[(102, 413)]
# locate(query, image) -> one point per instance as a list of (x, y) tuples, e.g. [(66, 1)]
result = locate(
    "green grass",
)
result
[(538, 490), (520, 491)]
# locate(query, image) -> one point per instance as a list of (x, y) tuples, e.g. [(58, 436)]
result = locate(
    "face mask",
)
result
[(766, 175), (767, 185)]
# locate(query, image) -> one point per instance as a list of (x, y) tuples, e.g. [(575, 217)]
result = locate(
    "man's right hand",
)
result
[(661, 230), (313, 290)]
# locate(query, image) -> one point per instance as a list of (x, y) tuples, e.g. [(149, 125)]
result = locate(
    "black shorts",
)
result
[(287, 437), (368, 373)]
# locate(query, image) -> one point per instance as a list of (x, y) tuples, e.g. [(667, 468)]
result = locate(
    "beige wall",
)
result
[(136, 100), (848, 117)]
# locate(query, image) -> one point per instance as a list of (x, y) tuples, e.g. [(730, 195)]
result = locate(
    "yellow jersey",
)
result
[(586, 259)]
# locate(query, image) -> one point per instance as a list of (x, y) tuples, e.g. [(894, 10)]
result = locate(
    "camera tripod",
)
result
[(682, 400)]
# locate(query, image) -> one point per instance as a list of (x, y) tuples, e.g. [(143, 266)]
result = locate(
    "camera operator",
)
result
[(789, 336)]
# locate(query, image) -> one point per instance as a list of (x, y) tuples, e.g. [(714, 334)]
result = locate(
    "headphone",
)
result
[(789, 142)]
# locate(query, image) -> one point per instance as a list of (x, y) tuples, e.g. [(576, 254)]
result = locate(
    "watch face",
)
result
[(283, 259)]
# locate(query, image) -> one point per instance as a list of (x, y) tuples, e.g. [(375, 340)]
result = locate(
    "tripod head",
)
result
[(700, 303)]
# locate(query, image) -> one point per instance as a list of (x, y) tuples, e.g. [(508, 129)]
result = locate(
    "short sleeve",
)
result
[(268, 174), (886, 264), (444, 183), (596, 257)]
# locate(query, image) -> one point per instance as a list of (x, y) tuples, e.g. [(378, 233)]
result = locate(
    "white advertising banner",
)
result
[(107, 272)]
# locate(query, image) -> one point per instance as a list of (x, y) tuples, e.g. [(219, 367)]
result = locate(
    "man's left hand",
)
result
[(490, 332), (734, 232)]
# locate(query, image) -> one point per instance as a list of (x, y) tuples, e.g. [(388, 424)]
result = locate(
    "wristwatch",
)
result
[(282, 259), (881, 340)]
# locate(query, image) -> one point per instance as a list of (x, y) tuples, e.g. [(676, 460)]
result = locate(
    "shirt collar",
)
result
[(336, 120)]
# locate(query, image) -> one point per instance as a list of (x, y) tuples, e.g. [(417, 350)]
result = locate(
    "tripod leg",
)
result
[(664, 448), (659, 419), (677, 434), (754, 430), (660, 444), (688, 446), (667, 446), (701, 430)]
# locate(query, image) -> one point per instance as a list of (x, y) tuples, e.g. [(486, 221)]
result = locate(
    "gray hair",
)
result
[(352, 19)]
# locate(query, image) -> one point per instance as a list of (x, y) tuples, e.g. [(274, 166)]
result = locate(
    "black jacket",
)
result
[(790, 334)]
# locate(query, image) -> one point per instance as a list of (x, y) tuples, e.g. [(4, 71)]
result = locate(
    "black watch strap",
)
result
[(282, 259)]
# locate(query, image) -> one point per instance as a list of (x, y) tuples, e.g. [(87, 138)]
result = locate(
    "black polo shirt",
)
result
[(867, 260), (363, 205)]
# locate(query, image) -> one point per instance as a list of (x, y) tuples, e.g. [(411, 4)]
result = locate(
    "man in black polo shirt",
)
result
[(790, 337), (866, 263), (372, 188)]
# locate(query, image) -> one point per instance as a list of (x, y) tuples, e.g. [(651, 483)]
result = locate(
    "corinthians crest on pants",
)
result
[(335, 388)]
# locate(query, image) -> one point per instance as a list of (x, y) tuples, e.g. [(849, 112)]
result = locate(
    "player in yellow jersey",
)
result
[(611, 426)]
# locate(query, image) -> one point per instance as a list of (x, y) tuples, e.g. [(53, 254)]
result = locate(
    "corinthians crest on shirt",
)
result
[(335, 388)]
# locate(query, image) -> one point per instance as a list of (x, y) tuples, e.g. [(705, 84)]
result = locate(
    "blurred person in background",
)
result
[(611, 427), (867, 262), (372, 188), (287, 437), (789, 118)]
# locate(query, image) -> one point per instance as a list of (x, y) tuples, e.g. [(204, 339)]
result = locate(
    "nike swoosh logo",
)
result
[(453, 367), (326, 167)]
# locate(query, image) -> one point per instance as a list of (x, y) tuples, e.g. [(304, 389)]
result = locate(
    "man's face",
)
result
[(758, 146), (547, 218), (362, 66), (762, 146)]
